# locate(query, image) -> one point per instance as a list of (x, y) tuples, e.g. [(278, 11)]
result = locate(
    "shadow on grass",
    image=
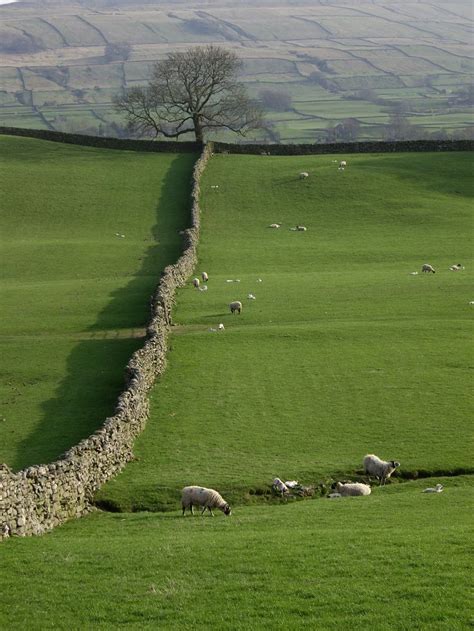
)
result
[(95, 367)]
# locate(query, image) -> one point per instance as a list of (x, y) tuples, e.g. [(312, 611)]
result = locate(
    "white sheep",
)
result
[(204, 277), (303, 175), (251, 297), (437, 489), (457, 267), (280, 486), (274, 225), (301, 228), (196, 282), (204, 288), (207, 498), (381, 469), (428, 268), (235, 306), (353, 488), (342, 164), (221, 327)]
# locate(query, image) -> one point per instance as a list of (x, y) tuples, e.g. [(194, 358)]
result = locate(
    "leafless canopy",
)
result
[(191, 91)]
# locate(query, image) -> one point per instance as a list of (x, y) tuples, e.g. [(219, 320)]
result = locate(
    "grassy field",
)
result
[(397, 559), (417, 47), (74, 294), (342, 353)]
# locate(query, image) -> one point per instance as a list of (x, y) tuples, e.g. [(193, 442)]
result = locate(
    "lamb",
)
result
[(353, 488), (437, 489), (207, 498), (196, 282), (303, 175), (381, 469), (428, 268), (235, 306), (280, 486), (204, 277)]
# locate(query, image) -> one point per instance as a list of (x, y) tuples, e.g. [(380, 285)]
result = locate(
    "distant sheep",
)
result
[(303, 175), (274, 225), (207, 498), (196, 283), (437, 489), (301, 228), (352, 489), (428, 268), (235, 306), (381, 469), (457, 267), (342, 164), (204, 277)]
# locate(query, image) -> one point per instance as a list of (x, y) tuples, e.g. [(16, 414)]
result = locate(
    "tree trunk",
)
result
[(198, 129)]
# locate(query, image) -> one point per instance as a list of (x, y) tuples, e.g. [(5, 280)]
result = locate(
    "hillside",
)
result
[(75, 292), (345, 60)]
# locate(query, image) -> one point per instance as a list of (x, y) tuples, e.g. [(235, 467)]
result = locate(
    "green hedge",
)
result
[(347, 147), (105, 143)]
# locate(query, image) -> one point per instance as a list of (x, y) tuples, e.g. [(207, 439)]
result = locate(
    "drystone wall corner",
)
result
[(37, 499)]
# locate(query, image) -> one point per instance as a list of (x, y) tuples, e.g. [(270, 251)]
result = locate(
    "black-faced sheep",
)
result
[(204, 277), (235, 306), (381, 469), (428, 268), (205, 498), (196, 282)]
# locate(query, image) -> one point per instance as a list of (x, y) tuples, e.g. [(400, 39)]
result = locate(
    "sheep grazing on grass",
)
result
[(301, 228), (205, 498), (437, 489), (274, 225), (428, 268), (221, 327), (457, 267), (342, 164), (303, 175), (204, 277), (196, 282), (381, 469), (235, 306), (353, 489)]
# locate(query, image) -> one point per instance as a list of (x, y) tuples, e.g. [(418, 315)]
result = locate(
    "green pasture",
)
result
[(396, 559), (344, 352), (75, 295)]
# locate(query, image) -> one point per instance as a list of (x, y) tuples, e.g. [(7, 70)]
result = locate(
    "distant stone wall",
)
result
[(40, 497)]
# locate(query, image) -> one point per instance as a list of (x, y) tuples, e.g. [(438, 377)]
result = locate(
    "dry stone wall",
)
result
[(36, 499)]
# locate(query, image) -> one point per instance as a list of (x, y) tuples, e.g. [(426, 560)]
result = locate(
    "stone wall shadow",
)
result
[(95, 367)]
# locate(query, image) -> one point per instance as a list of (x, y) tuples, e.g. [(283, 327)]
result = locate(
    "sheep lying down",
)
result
[(205, 498), (352, 489)]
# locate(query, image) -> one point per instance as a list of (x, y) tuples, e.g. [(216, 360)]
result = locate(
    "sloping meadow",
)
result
[(344, 350)]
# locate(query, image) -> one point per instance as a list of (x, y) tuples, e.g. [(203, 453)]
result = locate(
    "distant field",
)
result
[(422, 48), (342, 353), (74, 294)]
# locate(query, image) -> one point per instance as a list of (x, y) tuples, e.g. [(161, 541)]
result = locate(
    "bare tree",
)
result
[(191, 91)]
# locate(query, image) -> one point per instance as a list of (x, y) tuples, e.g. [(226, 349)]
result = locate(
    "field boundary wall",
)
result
[(40, 497)]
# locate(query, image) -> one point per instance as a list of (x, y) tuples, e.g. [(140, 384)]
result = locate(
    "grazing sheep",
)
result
[(280, 486), (457, 267), (274, 225), (303, 175), (301, 228), (342, 164), (196, 283), (353, 488), (235, 306), (207, 498), (381, 469), (204, 277), (428, 268), (221, 327), (437, 489)]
